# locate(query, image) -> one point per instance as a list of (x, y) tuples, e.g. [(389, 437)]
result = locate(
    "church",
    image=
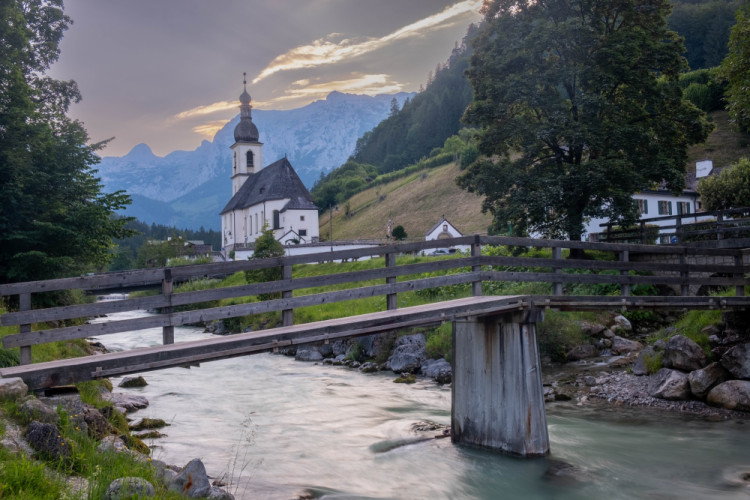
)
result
[(271, 197)]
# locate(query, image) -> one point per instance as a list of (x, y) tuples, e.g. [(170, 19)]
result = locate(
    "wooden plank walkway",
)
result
[(68, 371)]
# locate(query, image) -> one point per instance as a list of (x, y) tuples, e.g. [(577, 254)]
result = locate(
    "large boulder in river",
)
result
[(670, 384), (582, 351), (622, 345), (192, 480), (127, 403), (732, 395), (682, 353), (408, 355), (308, 353), (705, 379), (645, 357), (737, 361), (439, 370)]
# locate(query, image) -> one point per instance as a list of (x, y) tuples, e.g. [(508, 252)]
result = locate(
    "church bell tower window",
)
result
[(250, 160)]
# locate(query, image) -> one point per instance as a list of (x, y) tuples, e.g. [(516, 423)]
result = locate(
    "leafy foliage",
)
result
[(705, 26), (704, 88), (424, 122), (581, 108), (54, 219), (399, 233), (266, 247), (729, 189), (736, 69)]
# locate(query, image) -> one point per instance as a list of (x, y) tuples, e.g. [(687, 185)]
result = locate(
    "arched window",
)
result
[(250, 161), (235, 162)]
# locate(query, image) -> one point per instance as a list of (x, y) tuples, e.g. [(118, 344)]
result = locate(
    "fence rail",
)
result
[(697, 229), (727, 268)]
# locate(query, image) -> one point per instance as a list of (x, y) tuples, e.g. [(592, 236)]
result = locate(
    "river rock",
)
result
[(129, 487), (682, 353), (192, 480), (308, 353), (340, 347), (622, 323), (47, 440), (12, 389), (217, 327), (670, 384), (408, 355), (33, 409), (737, 361), (217, 493), (369, 367), (133, 382), (732, 395), (703, 380), (622, 345), (639, 367), (326, 350), (439, 370), (128, 403), (592, 329), (582, 351), (112, 443)]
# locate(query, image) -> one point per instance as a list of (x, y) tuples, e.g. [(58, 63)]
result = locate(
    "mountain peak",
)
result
[(141, 151)]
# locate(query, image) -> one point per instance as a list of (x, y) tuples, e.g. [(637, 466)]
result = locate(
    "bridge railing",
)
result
[(686, 267), (711, 228)]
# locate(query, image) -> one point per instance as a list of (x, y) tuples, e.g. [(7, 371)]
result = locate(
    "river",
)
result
[(278, 428)]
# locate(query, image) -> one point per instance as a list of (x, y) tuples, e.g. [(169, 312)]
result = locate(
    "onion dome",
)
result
[(245, 131)]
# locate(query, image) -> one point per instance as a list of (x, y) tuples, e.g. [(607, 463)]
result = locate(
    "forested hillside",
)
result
[(425, 121)]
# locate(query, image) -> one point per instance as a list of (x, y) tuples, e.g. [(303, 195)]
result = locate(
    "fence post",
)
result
[(684, 275), (719, 225), (24, 304), (391, 299), (287, 315), (476, 251), (167, 332), (739, 289), (678, 229), (643, 233), (625, 287), (557, 285)]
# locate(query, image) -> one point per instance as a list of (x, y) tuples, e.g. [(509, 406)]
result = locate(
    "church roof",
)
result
[(442, 221), (277, 181)]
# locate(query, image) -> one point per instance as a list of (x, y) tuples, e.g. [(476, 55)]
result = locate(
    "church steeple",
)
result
[(247, 152), (245, 131)]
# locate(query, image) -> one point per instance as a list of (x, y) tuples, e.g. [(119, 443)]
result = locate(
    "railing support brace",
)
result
[(557, 285), (624, 288), (287, 315), (391, 299), (167, 332), (24, 304), (476, 251)]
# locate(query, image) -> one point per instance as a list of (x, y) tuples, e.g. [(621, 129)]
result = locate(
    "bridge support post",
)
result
[(498, 400), (167, 332)]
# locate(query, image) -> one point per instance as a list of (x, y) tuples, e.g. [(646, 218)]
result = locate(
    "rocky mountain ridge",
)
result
[(188, 189)]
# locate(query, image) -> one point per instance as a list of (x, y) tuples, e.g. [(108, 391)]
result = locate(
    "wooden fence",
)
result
[(719, 228), (729, 268)]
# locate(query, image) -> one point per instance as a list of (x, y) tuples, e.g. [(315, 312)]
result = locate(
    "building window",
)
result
[(665, 208), (276, 222), (683, 207), (303, 232), (445, 227), (641, 206), (302, 218), (235, 162), (250, 159)]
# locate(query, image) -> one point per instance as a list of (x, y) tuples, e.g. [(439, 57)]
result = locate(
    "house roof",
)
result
[(277, 181), (443, 221)]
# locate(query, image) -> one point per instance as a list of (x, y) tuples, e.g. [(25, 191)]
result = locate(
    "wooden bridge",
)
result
[(497, 391)]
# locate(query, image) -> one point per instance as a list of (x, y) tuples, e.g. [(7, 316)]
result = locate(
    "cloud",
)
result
[(207, 109), (334, 48), (208, 130)]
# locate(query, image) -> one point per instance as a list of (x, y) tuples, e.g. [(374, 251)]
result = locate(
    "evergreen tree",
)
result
[(736, 69), (581, 107), (54, 219)]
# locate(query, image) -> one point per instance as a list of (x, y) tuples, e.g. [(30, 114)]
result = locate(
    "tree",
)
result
[(729, 189), (266, 246), (399, 233), (580, 107), (54, 219), (736, 69)]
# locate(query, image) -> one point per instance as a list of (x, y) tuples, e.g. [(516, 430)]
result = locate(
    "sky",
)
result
[(168, 73)]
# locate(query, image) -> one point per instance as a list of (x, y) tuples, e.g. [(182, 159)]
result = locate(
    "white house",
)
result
[(271, 196), (656, 203), (444, 230)]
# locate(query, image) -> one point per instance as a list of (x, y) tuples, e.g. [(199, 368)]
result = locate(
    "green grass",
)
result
[(22, 478)]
